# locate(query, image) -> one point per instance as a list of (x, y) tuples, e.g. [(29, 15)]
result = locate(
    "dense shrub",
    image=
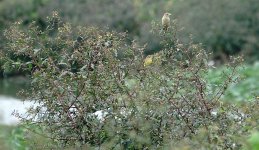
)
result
[(23, 10), (123, 18), (95, 90)]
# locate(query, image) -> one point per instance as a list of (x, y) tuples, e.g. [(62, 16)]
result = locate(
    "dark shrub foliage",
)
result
[(226, 27)]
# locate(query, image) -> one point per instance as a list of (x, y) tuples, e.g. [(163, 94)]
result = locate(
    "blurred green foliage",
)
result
[(18, 139), (13, 138), (254, 141), (245, 90), (226, 27)]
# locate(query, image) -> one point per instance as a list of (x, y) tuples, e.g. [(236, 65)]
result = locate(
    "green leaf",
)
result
[(254, 141)]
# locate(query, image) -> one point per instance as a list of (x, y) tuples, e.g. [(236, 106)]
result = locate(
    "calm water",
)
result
[(9, 100), (10, 104), (12, 85)]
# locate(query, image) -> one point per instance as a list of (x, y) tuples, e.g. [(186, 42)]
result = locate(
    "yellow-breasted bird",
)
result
[(166, 21), (148, 60)]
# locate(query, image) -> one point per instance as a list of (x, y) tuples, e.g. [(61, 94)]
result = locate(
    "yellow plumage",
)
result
[(148, 61)]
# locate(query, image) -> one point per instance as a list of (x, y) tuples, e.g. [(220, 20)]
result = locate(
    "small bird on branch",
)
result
[(166, 21)]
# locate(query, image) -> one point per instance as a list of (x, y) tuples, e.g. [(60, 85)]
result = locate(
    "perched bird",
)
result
[(166, 21), (148, 60)]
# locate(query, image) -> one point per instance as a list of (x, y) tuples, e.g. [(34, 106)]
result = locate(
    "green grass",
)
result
[(15, 138), (20, 138), (5, 135)]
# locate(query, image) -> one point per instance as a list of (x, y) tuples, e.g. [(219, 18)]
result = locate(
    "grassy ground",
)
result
[(5, 134), (15, 137), (19, 138)]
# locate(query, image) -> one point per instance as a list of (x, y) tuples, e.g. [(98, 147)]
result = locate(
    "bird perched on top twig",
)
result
[(166, 21)]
